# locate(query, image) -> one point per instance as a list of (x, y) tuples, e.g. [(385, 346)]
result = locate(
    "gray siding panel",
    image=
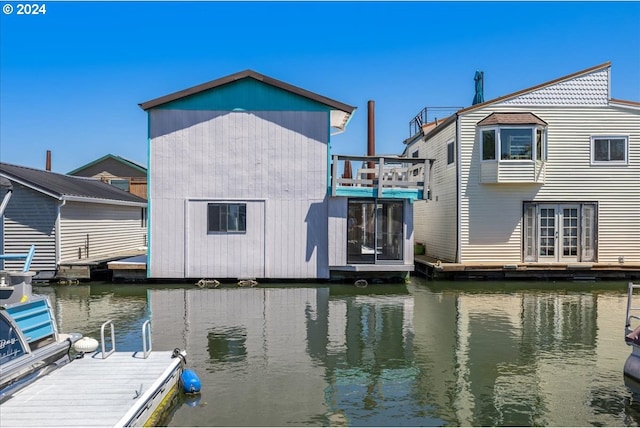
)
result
[(30, 219), (338, 208), (216, 255), (279, 157)]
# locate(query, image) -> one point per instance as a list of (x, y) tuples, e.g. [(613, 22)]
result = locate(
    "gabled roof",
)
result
[(114, 157), (537, 87), (341, 110), (512, 119), (69, 188)]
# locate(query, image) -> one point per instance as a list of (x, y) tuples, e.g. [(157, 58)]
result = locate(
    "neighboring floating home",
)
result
[(68, 219), (117, 171), (545, 177), (240, 186)]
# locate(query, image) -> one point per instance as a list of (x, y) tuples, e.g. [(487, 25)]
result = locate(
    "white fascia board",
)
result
[(70, 198)]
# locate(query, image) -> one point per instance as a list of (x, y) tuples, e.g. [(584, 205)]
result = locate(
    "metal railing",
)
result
[(28, 258), (631, 317), (427, 115), (146, 339)]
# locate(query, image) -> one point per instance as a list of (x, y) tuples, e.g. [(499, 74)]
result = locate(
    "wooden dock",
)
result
[(92, 267), (129, 269), (95, 392), (435, 269)]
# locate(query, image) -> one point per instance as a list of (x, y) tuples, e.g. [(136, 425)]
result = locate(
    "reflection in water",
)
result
[(227, 344), (429, 354), (83, 309)]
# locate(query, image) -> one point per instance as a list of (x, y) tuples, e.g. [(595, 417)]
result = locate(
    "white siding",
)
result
[(435, 220), (279, 157), (107, 229), (491, 213), (338, 208), (30, 219), (409, 233)]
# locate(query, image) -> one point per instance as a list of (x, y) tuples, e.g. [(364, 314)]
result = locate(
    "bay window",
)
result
[(520, 143)]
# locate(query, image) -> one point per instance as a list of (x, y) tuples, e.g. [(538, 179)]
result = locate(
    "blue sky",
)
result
[(71, 79)]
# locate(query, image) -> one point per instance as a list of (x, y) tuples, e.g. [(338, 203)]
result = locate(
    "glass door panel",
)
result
[(588, 238), (547, 233), (361, 232), (569, 233), (390, 235)]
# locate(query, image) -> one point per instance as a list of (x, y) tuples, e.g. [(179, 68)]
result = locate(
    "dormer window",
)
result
[(513, 137)]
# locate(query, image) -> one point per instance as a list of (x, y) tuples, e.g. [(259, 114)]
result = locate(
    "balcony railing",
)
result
[(428, 115), (381, 176)]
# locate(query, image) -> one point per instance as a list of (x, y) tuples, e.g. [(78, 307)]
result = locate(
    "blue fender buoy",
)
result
[(190, 382)]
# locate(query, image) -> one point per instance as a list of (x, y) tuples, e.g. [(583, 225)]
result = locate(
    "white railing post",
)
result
[(334, 174), (380, 176), (425, 180)]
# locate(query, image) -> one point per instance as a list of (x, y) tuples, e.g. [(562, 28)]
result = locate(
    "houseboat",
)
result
[(542, 182), (243, 185)]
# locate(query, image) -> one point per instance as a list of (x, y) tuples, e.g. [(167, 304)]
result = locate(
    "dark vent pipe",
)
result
[(371, 137), (371, 132), (48, 163)]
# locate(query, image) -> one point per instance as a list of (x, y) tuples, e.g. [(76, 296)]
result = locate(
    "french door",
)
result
[(559, 232)]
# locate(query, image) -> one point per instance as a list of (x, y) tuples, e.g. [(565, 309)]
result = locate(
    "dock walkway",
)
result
[(435, 269), (93, 391)]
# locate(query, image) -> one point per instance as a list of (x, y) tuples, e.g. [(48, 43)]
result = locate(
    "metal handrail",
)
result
[(631, 308), (113, 339), (146, 333), (28, 258)]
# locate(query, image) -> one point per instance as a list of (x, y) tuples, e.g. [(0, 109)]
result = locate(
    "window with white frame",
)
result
[(226, 218), (517, 143), (609, 150)]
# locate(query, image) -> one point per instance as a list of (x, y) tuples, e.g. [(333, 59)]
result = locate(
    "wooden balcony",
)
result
[(392, 177)]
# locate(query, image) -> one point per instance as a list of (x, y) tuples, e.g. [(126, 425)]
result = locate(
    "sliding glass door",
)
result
[(374, 231)]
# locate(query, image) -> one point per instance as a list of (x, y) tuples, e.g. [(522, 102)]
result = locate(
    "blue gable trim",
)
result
[(245, 94), (370, 192)]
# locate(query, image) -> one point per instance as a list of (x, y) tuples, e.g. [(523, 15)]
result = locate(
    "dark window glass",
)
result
[(227, 218), (489, 145), (450, 153)]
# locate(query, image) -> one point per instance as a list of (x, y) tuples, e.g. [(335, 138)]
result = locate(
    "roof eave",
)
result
[(31, 185), (624, 104), (336, 105), (114, 157)]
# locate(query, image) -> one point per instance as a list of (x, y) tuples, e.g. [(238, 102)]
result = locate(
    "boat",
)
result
[(632, 338), (30, 344)]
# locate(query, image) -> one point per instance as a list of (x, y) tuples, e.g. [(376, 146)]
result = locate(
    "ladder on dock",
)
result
[(632, 319), (103, 388)]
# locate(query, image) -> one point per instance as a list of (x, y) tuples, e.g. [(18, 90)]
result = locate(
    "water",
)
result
[(421, 354)]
